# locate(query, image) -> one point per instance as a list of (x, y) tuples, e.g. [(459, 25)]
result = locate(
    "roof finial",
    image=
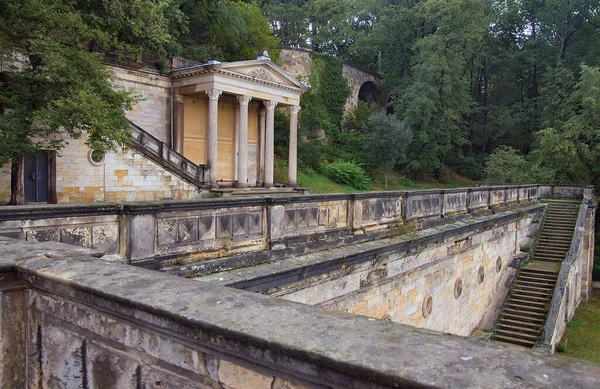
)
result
[(263, 55)]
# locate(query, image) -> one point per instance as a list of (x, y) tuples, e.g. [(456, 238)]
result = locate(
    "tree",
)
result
[(386, 142), (229, 30), (56, 86)]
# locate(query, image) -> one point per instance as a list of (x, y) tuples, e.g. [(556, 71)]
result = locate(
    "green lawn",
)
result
[(582, 337)]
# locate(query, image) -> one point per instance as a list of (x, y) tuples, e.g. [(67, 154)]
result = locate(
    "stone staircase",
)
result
[(525, 311), (175, 163)]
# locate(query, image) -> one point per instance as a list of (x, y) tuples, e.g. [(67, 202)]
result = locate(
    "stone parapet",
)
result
[(72, 321), (181, 232)]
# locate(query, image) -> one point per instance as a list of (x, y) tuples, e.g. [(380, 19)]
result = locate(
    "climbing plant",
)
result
[(323, 104)]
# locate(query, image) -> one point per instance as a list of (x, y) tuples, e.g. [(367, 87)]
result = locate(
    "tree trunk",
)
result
[(17, 195)]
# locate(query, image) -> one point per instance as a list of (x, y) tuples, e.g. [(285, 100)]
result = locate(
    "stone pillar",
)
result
[(211, 133), (177, 122), (269, 142), (261, 139), (242, 180), (293, 146)]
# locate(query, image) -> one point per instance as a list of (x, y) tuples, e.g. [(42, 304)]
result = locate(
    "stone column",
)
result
[(177, 122), (261, 131), (242, 180), (211, 133), (269, 142), (293, 146)]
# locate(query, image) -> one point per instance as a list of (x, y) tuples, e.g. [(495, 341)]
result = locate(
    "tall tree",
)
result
[(54, 86)]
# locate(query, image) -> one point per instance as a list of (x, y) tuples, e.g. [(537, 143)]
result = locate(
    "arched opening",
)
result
[(368, 93)]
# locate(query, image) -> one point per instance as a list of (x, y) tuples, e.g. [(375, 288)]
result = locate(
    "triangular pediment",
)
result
[(263, 70)]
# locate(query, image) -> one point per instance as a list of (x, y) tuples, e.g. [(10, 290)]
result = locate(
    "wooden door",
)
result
[(225, 143), (36, 181), (194, 129)]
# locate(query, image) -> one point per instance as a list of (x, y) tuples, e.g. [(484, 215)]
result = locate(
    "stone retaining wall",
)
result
[(71, 321)]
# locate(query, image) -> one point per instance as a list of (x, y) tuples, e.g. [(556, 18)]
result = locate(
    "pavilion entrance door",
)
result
[(35, 171), (226, 144)]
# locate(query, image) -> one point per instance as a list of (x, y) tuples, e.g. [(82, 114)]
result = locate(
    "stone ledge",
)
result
[(302, 343)]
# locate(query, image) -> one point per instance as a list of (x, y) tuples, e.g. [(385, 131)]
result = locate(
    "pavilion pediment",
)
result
[(264, 71)]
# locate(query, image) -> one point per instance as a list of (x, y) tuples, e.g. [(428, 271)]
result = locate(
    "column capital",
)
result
[(213, 94), (270, 105), (243, 99), (177, 98), (294, 109)]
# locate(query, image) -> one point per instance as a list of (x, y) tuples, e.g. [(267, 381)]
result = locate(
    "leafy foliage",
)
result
[(349, 173), (227, 30), (55, 86)]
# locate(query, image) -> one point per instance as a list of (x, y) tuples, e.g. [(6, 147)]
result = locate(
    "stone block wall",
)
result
[(70, 321), (355, 78), (152, 111), (396, 284), (123, 176), (296, 62)]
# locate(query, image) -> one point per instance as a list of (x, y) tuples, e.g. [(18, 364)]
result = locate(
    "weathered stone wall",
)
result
[(395, 286), (70, 321), (152, 111), (297, 63), (355, 78), (215, 228), (123, 176)]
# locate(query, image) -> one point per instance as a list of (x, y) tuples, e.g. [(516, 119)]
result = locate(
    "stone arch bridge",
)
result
[(362, 83)]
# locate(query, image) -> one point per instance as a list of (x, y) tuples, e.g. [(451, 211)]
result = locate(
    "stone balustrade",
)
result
[(188, 231)]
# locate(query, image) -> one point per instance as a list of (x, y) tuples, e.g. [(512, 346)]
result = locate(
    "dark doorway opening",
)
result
[(36, 177)]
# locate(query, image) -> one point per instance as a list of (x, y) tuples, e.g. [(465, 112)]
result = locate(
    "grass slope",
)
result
[(582, 336)]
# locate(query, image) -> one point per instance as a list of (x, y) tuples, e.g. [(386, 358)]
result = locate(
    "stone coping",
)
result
[(296, 268), (320, 348), (42, 211)]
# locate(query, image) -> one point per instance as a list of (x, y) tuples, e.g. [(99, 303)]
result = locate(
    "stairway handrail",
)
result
[(159, 152), (563, 276)]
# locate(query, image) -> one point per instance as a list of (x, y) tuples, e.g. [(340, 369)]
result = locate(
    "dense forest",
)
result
[(504, 90)]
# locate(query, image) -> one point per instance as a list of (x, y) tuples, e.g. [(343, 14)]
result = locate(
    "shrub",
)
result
[(348, 173)]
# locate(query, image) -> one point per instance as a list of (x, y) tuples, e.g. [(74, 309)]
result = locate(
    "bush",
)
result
[(348, 173)]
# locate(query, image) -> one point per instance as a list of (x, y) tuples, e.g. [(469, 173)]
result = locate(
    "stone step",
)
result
[(524, 319), (521, 312), (517, 334), (511, 340), (560, 238), (549, 256), (534, 284), (534, 304), (533, 290), (537, 277), (527, 308), (550, 243), (537, 326), (519, 328), (550, 252), (533, 293), (532, 270), (528, 297)]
